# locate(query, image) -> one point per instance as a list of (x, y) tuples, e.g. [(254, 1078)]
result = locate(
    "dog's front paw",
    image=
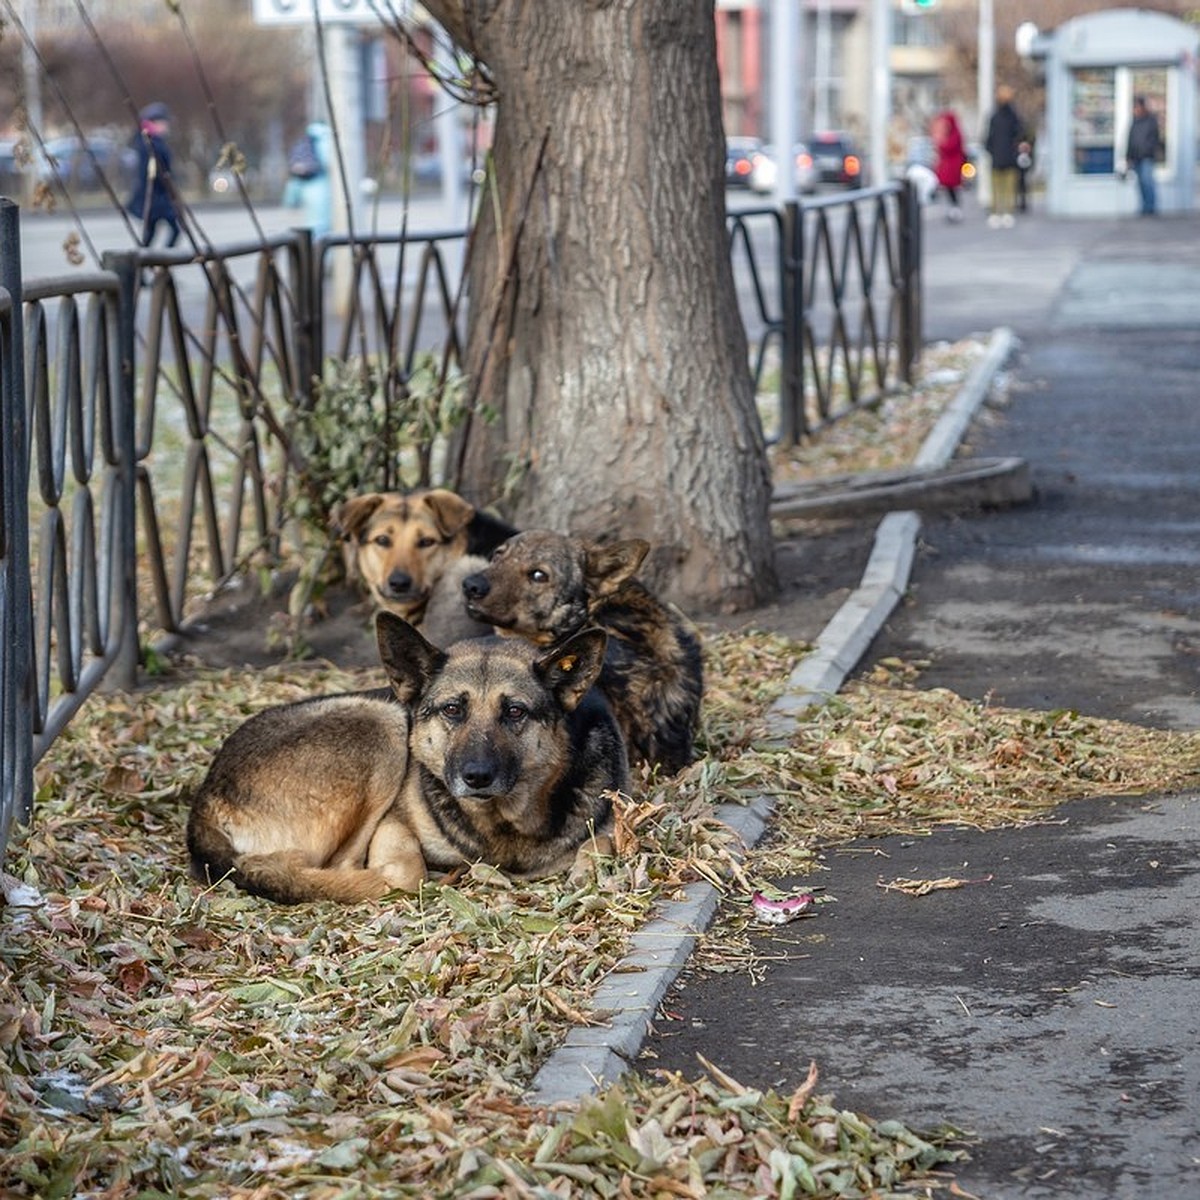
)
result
[(587, 862), (404, 877)]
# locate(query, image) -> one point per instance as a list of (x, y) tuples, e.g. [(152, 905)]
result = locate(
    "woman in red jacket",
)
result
[(951, 155)]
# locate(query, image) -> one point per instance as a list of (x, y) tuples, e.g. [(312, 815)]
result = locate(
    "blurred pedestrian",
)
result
[(1141, 153), (1004, 136), (309, 185), (153, 198), (951, 158), (1024, 166)]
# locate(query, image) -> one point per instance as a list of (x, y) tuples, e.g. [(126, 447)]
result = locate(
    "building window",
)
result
[(916, 30), (1093, 104)]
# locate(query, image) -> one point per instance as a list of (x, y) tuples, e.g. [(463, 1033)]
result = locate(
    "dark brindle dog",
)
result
[(546, 586), (410, 551), (493, 750)]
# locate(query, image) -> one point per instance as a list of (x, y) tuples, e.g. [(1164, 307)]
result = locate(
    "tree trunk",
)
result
[(604, 330)]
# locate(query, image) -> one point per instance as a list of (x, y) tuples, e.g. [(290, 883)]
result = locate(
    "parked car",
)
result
[(426, 168), (765, 171), (739, 160), (10, 168), (838, 159), (78, 164), (970, 171)]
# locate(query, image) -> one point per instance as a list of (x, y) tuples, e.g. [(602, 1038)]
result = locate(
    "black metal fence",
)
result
[(147, 408), (830, 293)]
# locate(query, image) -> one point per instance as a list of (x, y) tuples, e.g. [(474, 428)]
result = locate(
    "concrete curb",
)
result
[(850, 630), (947, 434), (591, 1056)]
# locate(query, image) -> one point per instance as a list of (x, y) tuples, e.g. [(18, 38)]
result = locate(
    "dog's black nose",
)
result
[(478, 775), (476, 586), (399, 583)]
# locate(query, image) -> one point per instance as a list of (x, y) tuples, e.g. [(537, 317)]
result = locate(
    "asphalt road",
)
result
[(1071, 273), (1054, 1010), (43, 234)]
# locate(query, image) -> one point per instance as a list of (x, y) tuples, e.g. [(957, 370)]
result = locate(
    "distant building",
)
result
[(60, 14), (834, 64), (834, 44)]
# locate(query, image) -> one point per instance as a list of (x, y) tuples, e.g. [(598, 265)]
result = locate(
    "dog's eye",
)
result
[(425, 542), (453, 710), (384, 541), (537, 575), (515, 712)]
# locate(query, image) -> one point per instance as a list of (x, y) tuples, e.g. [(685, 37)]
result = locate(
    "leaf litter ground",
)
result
[(162, 1039)]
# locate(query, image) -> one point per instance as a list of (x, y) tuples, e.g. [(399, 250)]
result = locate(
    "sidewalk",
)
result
[(1055, 1012), (597, 1053)]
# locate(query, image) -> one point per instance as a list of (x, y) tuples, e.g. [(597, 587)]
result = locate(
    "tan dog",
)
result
[(547, 586), (400, 547), (493, 751)]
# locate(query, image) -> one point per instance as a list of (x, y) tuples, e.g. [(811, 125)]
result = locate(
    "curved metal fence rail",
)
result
[(16, 615), (396, 299), (68, 551), (214, 396), (162, 393), (830, 291), (80, 496)]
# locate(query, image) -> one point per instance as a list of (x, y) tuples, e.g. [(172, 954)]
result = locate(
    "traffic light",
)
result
[(918, 6)]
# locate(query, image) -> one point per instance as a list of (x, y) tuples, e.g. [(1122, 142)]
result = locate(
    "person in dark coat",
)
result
[(1004, 137), (1141, 153), (951, 157), (153, 197)]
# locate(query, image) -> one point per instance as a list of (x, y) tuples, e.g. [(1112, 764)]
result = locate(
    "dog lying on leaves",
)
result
[(411, 552), (547, 586), (494, 750)]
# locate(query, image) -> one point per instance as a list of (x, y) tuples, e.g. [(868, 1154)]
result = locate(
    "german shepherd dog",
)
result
[(547, 586), (494, 750), (401, 547)]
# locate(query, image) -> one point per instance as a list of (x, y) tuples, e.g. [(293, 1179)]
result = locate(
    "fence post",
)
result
[(124, 265), (911, 297), (791, 294), (308, 331), (19, 700)]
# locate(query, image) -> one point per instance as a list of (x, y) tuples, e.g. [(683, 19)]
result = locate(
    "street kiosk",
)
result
[(1095, 65)]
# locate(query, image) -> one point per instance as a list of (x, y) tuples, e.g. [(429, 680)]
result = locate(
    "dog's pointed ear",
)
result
[(571, 668), (350, 518), (407, 657), (451, 512), (607, 568)]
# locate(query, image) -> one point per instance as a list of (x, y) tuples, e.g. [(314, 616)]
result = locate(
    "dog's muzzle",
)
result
[(475, 590), (399, 586), (480, 775), (476, 587)]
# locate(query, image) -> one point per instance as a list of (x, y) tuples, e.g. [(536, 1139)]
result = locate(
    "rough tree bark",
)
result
[(604, 328)]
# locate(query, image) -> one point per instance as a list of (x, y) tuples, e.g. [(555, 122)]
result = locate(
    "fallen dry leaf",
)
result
[(233, 1049), (922, 887)]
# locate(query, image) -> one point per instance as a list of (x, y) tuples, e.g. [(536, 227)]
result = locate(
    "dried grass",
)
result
[(161, 1039)]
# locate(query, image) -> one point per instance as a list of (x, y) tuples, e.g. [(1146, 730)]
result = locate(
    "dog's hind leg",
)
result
[(211, 852), (288, 877)]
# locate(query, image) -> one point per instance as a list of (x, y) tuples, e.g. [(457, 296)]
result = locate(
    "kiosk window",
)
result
[(1093, 96)]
